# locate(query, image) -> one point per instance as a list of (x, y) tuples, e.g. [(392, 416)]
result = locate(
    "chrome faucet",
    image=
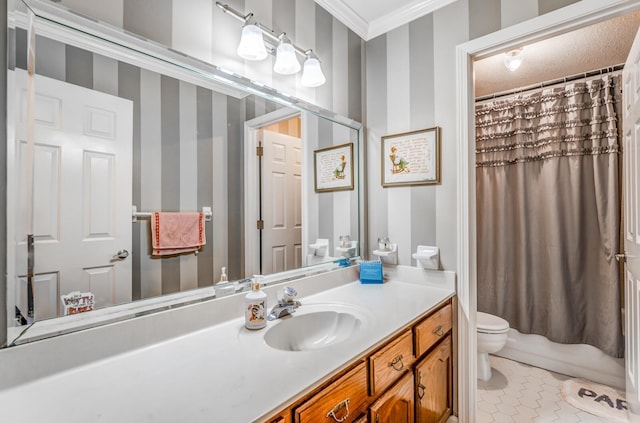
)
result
[(286, 305)]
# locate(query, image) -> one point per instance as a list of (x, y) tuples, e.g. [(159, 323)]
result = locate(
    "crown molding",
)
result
[(368, 30), (404, 15), (346, 15)]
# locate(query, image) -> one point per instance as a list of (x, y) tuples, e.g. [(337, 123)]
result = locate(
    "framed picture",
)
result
[(411, 158), (333, 168)]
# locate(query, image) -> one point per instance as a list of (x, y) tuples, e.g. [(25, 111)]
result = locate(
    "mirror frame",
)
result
[(60, 23)]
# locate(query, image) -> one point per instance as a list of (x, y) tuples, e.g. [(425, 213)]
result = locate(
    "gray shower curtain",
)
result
[(549, 211)]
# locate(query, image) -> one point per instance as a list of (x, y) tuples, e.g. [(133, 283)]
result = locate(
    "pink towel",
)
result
[(176, 233)]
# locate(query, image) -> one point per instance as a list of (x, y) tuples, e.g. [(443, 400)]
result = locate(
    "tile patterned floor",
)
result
[(519, 393)]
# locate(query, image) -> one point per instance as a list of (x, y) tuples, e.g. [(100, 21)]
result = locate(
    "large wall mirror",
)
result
[(107, 128)]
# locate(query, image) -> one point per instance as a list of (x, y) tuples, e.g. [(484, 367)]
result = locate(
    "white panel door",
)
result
[(281, 202), (631, 169), (82, 183)]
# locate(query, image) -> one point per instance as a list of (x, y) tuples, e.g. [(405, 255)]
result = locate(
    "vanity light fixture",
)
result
[(312, 75), (251, 45), (286, 60), (257, 41), (513, 59)]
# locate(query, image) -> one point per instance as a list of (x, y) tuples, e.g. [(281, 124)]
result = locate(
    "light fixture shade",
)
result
[(513, 59), (251, 45), (312, 75), (286, 60)]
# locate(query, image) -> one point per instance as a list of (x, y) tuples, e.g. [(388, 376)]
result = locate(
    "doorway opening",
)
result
[(280, 196), (530, 101), (273, 198), (548, 109), (567, 19)]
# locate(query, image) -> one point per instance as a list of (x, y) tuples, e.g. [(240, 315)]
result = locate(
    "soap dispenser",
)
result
[(255, 306)]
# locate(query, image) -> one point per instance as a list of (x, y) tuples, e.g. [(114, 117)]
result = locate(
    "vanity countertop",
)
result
[(222, 372)]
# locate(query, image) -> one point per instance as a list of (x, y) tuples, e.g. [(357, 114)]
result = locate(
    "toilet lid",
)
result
[(489, 323)]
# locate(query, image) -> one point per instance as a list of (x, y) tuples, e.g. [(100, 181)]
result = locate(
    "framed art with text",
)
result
[(333, 168), (411, 158)]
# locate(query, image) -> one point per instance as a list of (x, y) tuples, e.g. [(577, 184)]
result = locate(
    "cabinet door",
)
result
[(396, 405), (433, 378)]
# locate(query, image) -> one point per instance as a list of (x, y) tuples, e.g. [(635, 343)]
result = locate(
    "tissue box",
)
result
[(371, 272)]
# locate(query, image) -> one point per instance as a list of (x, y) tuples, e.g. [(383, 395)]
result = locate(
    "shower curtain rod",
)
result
[(563, 80)]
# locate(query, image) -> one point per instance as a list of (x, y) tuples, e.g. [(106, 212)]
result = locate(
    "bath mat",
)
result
[(600, 400)]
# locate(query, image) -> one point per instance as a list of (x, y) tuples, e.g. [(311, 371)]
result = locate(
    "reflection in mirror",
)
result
[(114, 141)]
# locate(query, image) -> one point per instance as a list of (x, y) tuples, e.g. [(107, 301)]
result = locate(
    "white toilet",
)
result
[(492, 335)]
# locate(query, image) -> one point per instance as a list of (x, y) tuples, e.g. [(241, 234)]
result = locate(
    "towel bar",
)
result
[(135, 214)]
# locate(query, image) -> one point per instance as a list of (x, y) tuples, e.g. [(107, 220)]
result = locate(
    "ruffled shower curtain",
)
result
[(549, 212)]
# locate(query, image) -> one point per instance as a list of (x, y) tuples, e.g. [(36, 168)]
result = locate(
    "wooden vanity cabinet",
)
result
[(408, 379), (433, 384)]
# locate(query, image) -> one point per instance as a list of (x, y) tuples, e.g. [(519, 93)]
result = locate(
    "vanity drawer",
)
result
[(342, 401), (390, 362), (432, 329)]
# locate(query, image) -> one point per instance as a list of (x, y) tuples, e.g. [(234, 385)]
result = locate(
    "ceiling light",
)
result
[(312, 75), (286, 60), (513, 59), (251, 45)]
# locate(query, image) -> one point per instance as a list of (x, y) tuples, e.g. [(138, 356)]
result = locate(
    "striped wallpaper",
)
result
[(410, 85)]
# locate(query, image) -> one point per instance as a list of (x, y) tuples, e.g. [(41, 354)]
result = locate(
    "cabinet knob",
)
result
[(336, 409)]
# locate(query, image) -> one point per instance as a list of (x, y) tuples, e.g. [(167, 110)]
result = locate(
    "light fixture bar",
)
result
[(233, 12)]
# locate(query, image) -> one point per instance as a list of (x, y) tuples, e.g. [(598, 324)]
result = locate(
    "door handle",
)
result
[(121, 255)]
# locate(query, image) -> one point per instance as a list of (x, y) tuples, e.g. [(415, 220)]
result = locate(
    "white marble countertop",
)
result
[(222, 372)]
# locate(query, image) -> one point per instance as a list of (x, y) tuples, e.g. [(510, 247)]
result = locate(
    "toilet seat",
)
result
[(488, 323)]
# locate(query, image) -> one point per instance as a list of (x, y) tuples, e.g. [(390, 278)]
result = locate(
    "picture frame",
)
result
[(411, 158), (333, 168)]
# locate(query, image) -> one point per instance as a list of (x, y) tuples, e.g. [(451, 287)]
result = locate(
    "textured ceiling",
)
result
[(594, 47)]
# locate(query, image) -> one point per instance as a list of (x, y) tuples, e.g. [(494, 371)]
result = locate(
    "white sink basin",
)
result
[(308, 330)]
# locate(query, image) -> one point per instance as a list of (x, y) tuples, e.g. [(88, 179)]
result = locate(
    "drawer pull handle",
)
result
[(397, 367), (421, 387), (337, 408), (438, 330)]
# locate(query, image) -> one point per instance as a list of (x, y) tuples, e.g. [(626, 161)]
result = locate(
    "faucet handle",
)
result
[(288, 294)]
